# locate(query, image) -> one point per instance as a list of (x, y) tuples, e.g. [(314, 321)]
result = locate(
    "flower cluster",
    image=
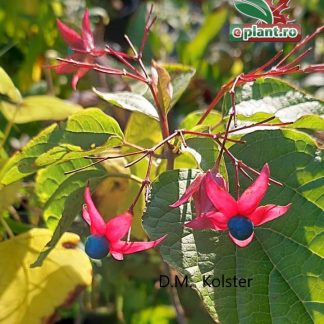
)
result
[(83, 47), (107, 237), (217, 209)]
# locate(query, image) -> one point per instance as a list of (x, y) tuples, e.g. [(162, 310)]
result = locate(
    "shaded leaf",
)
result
[(195, 50), (67, 265)]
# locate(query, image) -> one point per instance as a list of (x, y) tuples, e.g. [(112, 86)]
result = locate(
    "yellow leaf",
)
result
[(8, 88), (30, 296), (36, 108)]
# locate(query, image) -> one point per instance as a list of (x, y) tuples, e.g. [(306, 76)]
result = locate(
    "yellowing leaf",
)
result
[(8, 88), (32, 295), (35, 108), (9, 195)]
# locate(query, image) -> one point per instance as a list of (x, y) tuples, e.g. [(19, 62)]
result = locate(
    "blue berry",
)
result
[(97, 247), (240, 227)]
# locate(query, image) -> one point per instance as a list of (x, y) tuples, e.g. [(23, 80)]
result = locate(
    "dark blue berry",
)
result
[(97, 247), (240, 227)]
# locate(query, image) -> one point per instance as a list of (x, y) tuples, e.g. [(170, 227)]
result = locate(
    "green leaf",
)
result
[(74, 204), (258, 9), (7, 88), (208, 151), (195, 50), (181, 76), (53, 187), (130, 101), (213, 120), (269, 96), (157, 314), (284, 261), (36, 108), (134, 131), (89, 131)]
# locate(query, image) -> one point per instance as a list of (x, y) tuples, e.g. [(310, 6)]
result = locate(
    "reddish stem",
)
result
[(277, 70)]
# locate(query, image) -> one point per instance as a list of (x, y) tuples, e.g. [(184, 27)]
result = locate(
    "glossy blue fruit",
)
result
[(240, 227), (97, 247)]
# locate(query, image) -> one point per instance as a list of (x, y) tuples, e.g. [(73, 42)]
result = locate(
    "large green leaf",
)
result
[(130, 101), (267, 97), (284, 261), (86, 132), (35, 108)]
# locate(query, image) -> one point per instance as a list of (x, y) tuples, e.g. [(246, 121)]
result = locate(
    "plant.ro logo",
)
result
[(272, 25)]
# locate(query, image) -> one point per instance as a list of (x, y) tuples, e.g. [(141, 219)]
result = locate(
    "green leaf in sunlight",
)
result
[(134, 131), (268, 97), (213, 120), (161, 314), (130, 101), (53, 187), (284, 261), (89, 131)]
